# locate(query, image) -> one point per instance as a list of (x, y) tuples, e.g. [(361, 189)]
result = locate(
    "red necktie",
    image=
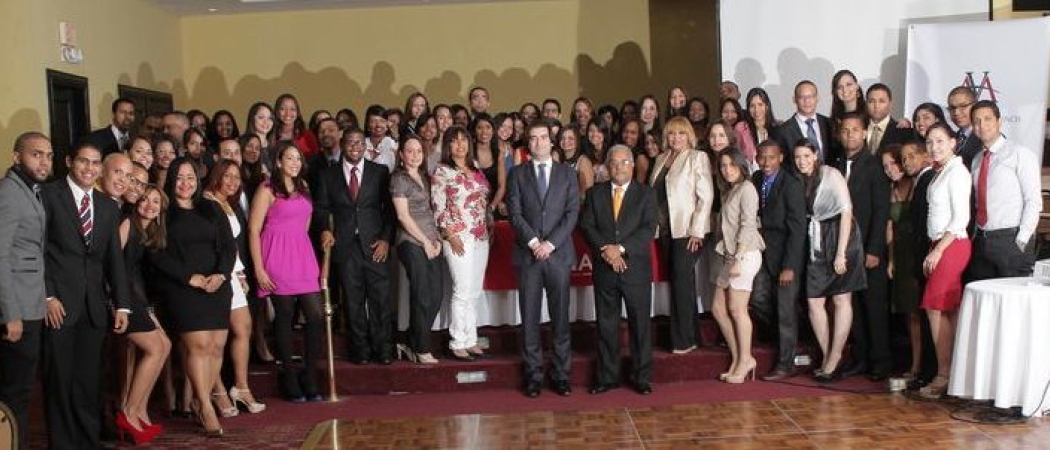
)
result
[(354, 184), (85, 217), (982, 189)]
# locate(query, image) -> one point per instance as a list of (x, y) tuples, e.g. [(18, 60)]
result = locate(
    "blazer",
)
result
[(551, 218), (77, 273), (371, 216), (869, 189), (970, 148), (103, 139), (920, 213), (22, 235), (783, 220), (690, 192), (738, 221), (893, 135), (788, 134), (633, 229)]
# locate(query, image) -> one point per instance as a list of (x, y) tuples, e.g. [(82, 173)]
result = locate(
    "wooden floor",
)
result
[(877, 421)]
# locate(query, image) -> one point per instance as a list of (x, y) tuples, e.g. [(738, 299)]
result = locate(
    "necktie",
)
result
[(959, 141), (354, 183), (36, 192), (542, 180), (85, 217), (123, 141), (875, 139), (982, 189), (811, 134), (767, 185), (617, 201)]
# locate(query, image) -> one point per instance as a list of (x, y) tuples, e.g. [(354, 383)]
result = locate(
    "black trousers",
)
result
[(776, 306), (426, 290), (18, 362), (366, 297), (72, 381), (533, 280), (284, 315), (683, 291), (870, 331), (638, 299), (996, 255)]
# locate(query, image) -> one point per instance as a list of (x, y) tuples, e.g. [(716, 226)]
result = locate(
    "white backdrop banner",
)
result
[(1005, 61)]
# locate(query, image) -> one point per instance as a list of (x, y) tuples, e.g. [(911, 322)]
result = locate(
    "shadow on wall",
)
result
[(20, 122), (625, 75)]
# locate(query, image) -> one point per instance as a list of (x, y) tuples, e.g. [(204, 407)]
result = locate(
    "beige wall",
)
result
[(124, 41), (521, 51)]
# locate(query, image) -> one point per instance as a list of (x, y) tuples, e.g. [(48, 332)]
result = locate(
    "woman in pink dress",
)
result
[(286, 268)]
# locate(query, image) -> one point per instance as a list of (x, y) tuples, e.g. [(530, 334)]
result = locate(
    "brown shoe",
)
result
[(779, 374)]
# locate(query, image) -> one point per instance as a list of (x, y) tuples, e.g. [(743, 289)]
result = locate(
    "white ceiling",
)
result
[(204, 7)]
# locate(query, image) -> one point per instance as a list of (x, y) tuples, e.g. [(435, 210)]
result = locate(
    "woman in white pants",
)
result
[(459, 192)]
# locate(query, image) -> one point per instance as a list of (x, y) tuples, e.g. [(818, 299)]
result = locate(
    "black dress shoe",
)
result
[(643, 388), (384, 360), (532, 389), (358, 360), (779, 374), (878, 377), (854, 369), (562, 388), (601, 388)]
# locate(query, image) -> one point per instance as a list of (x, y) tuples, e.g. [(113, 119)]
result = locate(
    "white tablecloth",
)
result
[(1002, 344)]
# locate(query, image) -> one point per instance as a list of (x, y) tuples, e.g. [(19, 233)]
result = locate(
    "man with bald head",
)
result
[(618, 220), (175, 125), (115, 178)]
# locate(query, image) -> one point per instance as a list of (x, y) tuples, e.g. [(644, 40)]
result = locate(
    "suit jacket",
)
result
[(869, 189), (783, 220), (788, 134), (371, 216), (105, 141), (920, 213), (22, 235), (690, 192), (970, 148), (75, 272), (633, 229), (550, 218)]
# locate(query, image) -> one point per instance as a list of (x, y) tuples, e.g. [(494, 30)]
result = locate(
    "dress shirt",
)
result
[(949, 200), (801, 121), (121, 137), (881, 125), (348, 166), (1013, 198), (78, 196)]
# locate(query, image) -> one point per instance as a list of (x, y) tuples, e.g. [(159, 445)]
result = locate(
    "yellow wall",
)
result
[(124, 41), (521, 51)]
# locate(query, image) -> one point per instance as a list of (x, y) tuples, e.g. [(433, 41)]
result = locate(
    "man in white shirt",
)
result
[(806, 124), (380, 148), (1008, 200)]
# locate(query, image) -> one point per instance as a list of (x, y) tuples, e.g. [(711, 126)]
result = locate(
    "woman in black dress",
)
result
[(144, 228), (835, 266), (486, 143), (193, 271)]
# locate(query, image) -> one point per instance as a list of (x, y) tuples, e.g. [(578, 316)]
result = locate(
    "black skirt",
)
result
[(821, 279)]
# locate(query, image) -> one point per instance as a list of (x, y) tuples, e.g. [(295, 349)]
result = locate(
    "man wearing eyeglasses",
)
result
[(960, 102)]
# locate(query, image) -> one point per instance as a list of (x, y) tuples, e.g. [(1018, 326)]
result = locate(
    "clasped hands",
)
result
[(612, 256), (542, 250), (209, 284)]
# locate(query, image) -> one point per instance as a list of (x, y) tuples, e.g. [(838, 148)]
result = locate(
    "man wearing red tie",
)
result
[(1007, 193)]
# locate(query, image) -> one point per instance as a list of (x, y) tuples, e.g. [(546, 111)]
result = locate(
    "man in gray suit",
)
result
[(22, 292), (543, 199)]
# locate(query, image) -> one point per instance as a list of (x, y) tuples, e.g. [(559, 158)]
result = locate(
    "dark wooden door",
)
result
[(70, 120)]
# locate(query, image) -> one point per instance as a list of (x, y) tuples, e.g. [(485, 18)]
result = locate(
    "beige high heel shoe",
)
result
[(243, 398), (749, 372)]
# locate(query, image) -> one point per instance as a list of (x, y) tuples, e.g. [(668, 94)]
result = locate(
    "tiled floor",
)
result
[(882, 421)]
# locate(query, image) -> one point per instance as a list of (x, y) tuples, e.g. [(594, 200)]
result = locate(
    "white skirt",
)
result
[(239, 300)]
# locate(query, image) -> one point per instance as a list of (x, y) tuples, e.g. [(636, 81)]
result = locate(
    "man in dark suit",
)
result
[(117, 135), (356, 195), (916, 161), (22, 291), (774, 295), (619, 222), (543, 201), (329, 154), (869, 189), (806, 124), (883, 129), (967, 144), (82, 256)]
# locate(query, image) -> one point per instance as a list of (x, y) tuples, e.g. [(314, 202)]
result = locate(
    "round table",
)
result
[(1001, 343)]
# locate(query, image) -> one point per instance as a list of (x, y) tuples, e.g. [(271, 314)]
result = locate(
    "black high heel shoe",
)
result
[(289, 384), (829, 377)]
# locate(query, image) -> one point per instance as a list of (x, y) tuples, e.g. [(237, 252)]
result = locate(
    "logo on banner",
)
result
[(980, 89)]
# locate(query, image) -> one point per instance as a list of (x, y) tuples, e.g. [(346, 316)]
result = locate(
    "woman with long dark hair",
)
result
[(286, 267), (290, 125), (848, 96)]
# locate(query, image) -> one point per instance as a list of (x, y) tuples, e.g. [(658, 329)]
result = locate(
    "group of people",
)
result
[(185, 229)]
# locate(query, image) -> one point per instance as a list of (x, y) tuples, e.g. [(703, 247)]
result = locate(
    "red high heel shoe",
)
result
[(139, 437)]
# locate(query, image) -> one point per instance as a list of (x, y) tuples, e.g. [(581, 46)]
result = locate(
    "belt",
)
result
[(1001, 232)]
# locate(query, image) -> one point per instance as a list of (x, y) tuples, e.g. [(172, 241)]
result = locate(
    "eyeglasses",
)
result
[(619, 163), (952, 108)]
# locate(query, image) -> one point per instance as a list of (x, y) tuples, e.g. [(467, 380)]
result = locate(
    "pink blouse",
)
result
[(460, 202)]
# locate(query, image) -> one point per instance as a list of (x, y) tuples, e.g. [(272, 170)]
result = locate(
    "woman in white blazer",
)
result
[(682, 178)]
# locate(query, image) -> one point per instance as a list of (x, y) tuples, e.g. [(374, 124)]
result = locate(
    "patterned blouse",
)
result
[(460, 202)]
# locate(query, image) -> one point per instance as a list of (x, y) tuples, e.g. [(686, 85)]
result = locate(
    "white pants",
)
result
[(468, 278)]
